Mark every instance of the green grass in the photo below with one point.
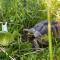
(26, 53)
(22, 14)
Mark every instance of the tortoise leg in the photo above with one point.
(35, 44)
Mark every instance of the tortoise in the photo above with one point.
(41, 29)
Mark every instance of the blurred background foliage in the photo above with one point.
(22, 14)
(25, 11)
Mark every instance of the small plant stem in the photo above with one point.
(49, 30)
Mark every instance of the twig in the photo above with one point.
(3, 50)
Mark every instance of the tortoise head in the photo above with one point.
(32, 32)
(29, 33)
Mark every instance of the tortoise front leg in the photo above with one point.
(35, 44)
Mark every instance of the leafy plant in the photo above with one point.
(7, 37)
